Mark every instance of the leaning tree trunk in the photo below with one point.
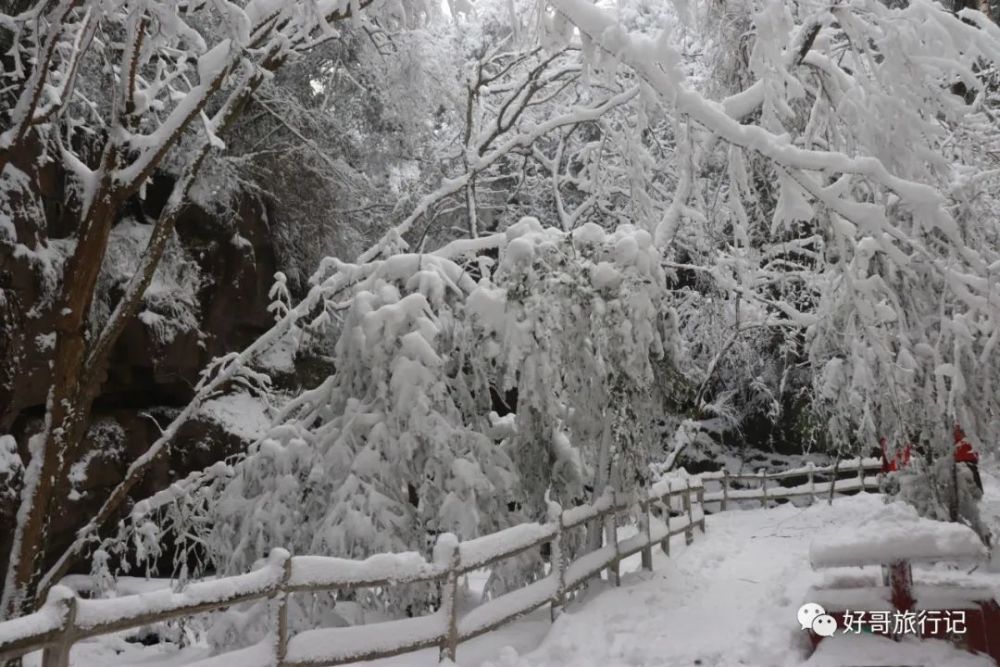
(67, 408)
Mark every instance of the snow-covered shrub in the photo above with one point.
(575, 322)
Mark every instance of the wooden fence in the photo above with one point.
(65, 619)
(820, 481)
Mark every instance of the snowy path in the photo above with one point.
(728, 599)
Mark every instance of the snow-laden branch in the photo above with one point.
(654, 61)
(149, 116)
(229, 367)
(523, 139)
(128, 303)
(742, 104)
(25, 110)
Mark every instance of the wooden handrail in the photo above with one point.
(65, 619)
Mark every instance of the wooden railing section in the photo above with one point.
(820, 481)
(65, 619)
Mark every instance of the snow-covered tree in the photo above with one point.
(850, 187)
(401, 443)
(114, 92)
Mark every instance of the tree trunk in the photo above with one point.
(602, 475)
(953, 498)
(67, 410)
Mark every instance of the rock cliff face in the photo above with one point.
(209, 297)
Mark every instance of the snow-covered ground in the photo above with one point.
(728, 599)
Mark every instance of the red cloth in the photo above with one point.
(887, 465)
(965, 454)
(904, 456)
(900, 457)
(963, 448)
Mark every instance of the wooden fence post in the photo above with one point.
(763, 485)
(281, 612)
(611, 531)
(700, 497)
(58, 655)
(812, 482)
(449, 596)
(647, 551)
(861, 474)
(689, 529)
(556, 556)
(833, 480)
(665, 542)
(901, 585)
(725, 489)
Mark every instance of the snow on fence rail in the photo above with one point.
(65, 619)
(760, 490)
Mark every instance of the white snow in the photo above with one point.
(124, 585)
(727, 600)
(474, 553)
(519, 251)
(10, 461)
(488, 305)
(819, 489)
(239, 413)
(588, 565)
(527, 225)
(50, 617)
(606, 276)
(279, 357)
(513, 604)
(589, 233)
(260, 654)
(323, 570)
(626, 250)
(584, 513)
(895, 533)
(333, 644)
(92, 614)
